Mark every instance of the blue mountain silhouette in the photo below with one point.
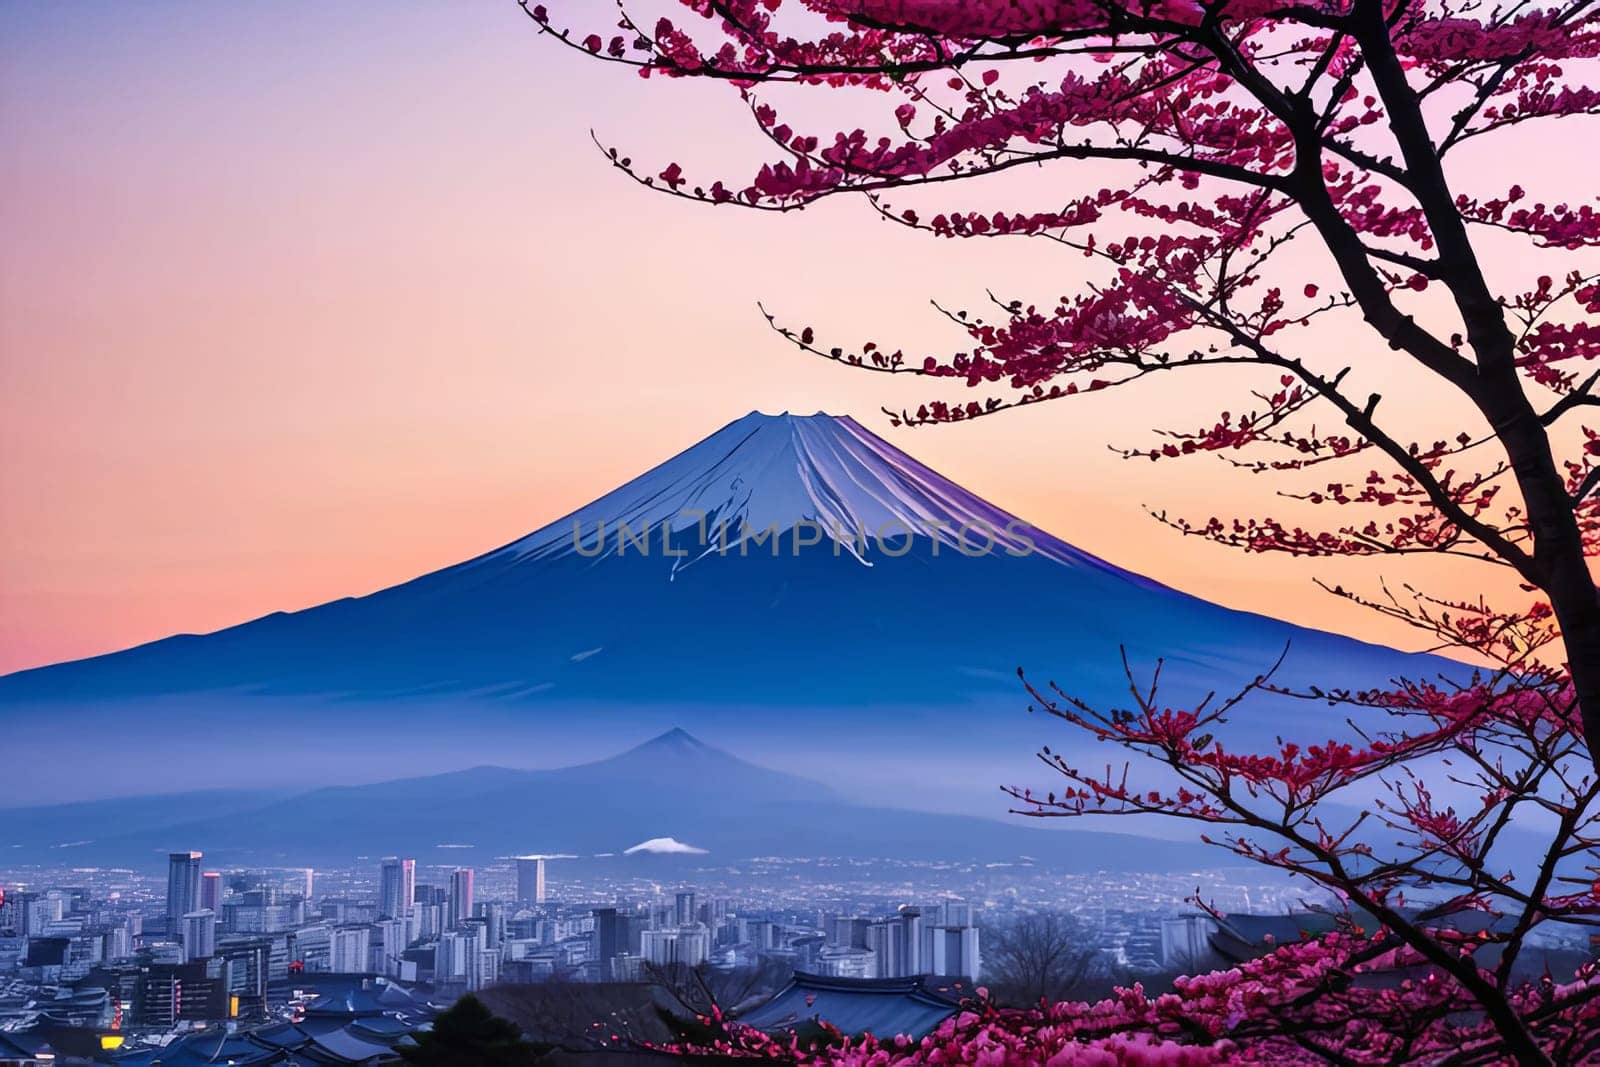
(792, 583)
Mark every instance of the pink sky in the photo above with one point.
(297, 301)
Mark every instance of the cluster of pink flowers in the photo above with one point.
(1343, 997)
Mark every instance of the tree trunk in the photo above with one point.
(1558, 565)
(1558, 551)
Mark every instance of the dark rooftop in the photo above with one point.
(885, 1007)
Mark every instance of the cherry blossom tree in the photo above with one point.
(1285, 170)
(1291, 199)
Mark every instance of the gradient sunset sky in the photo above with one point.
(299, 300)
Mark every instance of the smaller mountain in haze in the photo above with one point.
(672, 796)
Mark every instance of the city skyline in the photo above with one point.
(273, 969)
(611, 916)
(274, 955)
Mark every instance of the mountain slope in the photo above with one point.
(794, 583)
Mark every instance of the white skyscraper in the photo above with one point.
(951, 951)
(199, 935)
(482, 967)
(183, 889)
(494, 922)
(350, 950)
(450, 956)
(688, 945)
(118, 943)
(530, 879)
(683, 907)
(27, 913)
(397, 883)
(896, 943)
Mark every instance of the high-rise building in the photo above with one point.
(847, 931)
(27, 913)
(609, 936)
(685, 907)
(951, 951)
(350, 950)
(483, 968)
(199, 935)
(950, 913)
(183, 889)
(687, 945)
(249, 965)
(530, 879)
(211, 891)
(397, 884)
(450, 956)
(460, 896)
(896, 943)
(310, 878)
(428, 920)
(763, 934)
(388, 946)
(116, 943)
(494, 922)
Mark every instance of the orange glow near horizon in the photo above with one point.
(297, 302)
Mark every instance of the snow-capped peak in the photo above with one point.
(664, 846)
(818, 479)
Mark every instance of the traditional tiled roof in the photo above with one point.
(886, 1007)
(384, 1028)
(328, 1039)
(283, 1035)
(349, 1003)
(204, 1048)
(342, 1046)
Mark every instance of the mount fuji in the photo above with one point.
(794, 585)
